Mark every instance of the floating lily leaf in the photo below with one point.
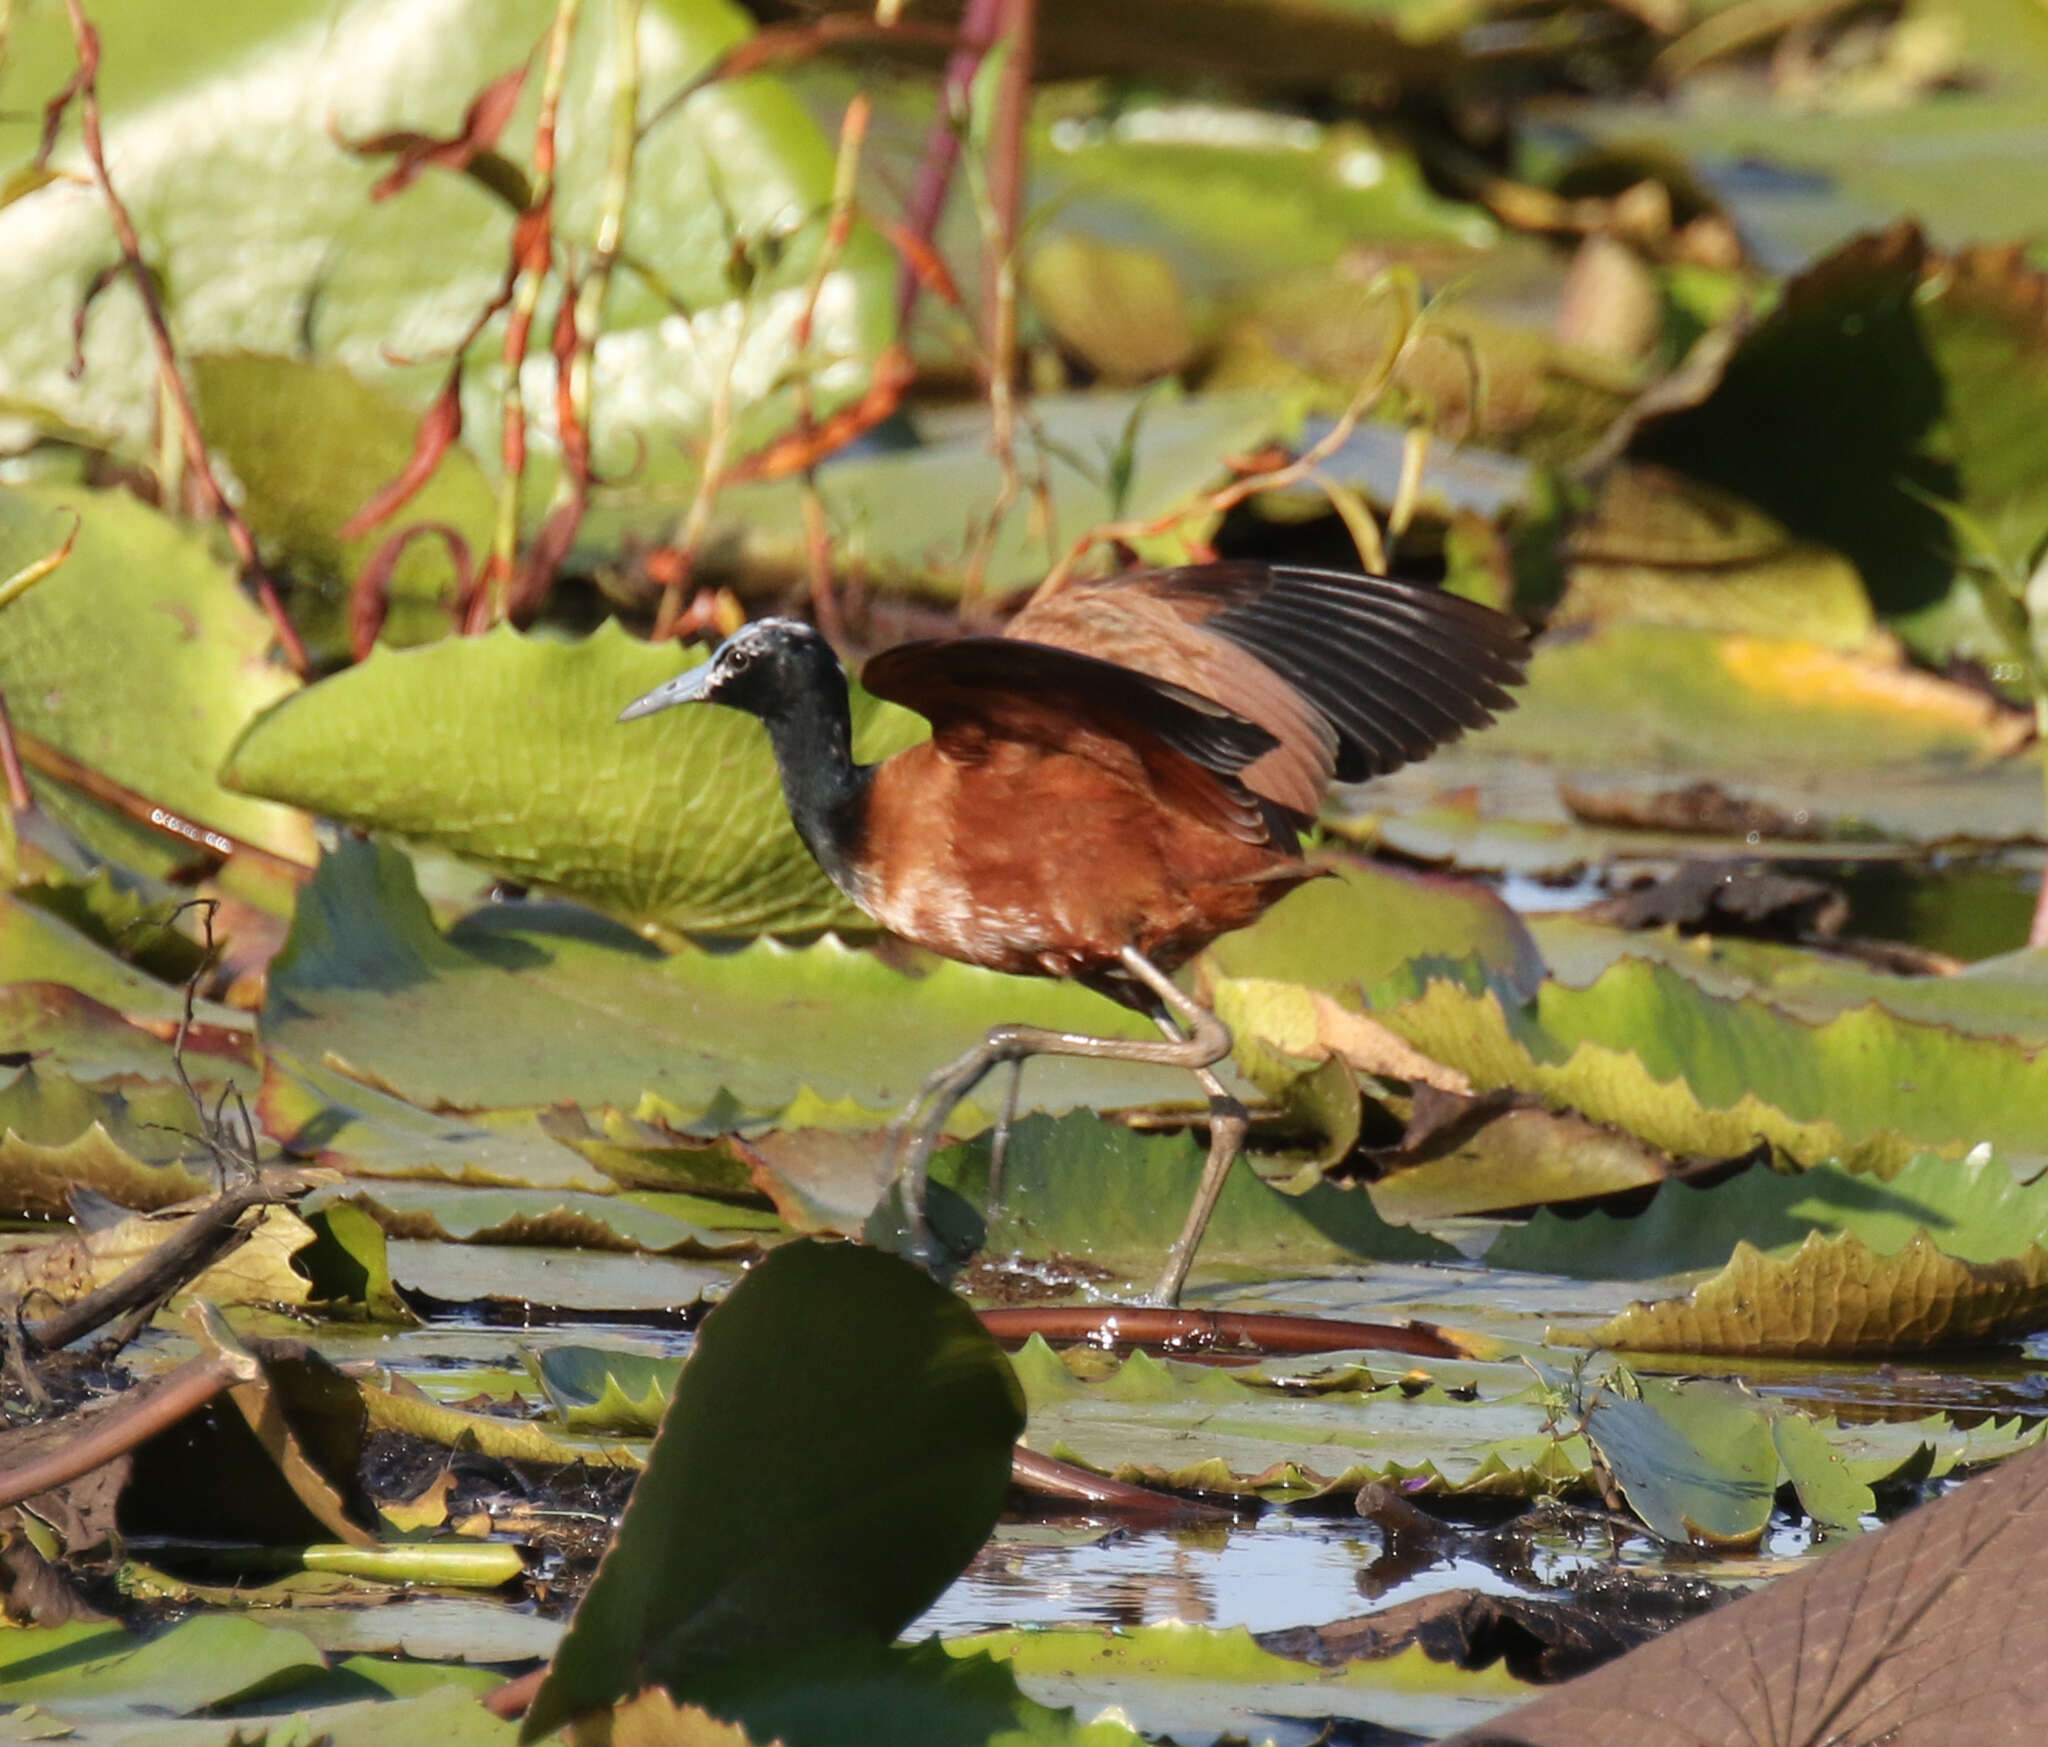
(37, 1178)
(597, 1389)
(215, 1659)
(1648, 1049)
(1153, 1672)
(2003, 996)
(907, 1405)
(339, 1122)
(1347, 934)
(267, 236)
(646, 1155)
(1695, 1461)
(1475, 1428)
(1835, 1296)
(852, 1694)
(514, 1440)
(534, 1216)
(1661, 548)
(527, 1004)
(1680, 698)
(909, 517)
(1968, 1208)
(527, 1281)
(1083, 1190)
(141, 658)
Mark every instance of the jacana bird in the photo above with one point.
(1109, 785)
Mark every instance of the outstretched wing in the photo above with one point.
(1353, 675)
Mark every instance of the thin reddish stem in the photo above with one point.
(86, 89)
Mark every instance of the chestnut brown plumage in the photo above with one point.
(1111, 784)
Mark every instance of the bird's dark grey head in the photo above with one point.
(762, 668)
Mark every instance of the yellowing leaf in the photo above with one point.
(1835, 1296)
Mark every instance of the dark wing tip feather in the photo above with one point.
(1398, 668)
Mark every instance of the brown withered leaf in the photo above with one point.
(1540, 1638)
(1919, 1635)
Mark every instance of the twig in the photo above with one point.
(85, 88)
(207, 1236)
(153, 815)
(533, 253)
(134, 1418)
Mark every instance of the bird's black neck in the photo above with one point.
(812, 733)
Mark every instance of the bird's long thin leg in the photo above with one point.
(999, 1142)
(1229, 1122)
(1204, 1042)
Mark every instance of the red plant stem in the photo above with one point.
(1006, 177)
(87, 41)
(152, 815)
(979, 26)
(1209, 1331)
(853, 133)
(18, 796)
(1044, 1477)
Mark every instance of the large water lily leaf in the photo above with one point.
(1835, 1295)
(1968, 1208)
(506, 749)
(1105, 1196)
(1296, 1428)
(1691, 1073)
(1158, 1675)
(907, 1404)
(1679, 697)
(1885, 363)
(228, 143)
(141, 658)
(521, 1005)
(311, 444)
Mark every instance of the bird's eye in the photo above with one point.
(739, 660)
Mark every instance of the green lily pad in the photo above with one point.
(321, 1114)
(1095, 1192)
(311, 444)
(597, 1389)
(1693, 1073)
(547, 1217)
(907, 1405)
(1969, 1208)
(527, 1004)
(908, 518)
(141, 658)
(268, 240)
(1695, 1461)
